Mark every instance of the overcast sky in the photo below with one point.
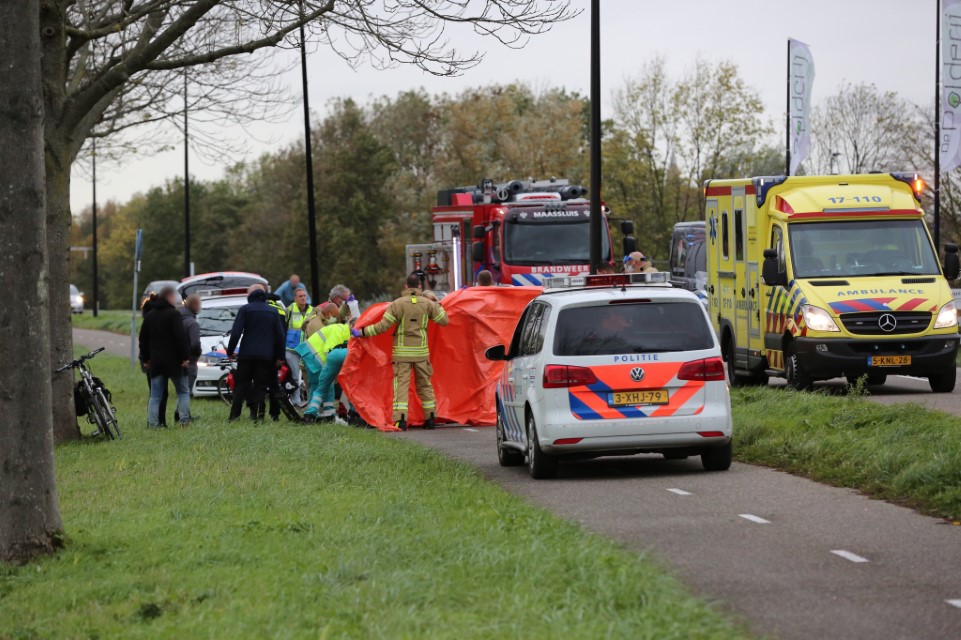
(887, 42)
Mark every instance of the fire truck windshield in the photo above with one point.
(543, 243)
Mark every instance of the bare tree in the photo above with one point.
(29, 514)
(112, 64)
(861, 129)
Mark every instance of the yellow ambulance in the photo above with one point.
(819, 277)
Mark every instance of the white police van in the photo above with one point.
(612, 365)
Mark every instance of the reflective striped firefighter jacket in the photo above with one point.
(410, 312)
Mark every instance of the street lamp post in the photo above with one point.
(186, 187)
(309, 160)
(595, 226)
(96, 279)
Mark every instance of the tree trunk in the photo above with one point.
(61, 149)
(61, 330)
(29, 513)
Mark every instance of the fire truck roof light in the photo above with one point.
(605, 280)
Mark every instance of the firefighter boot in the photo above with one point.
(429, 423)
(401, 424)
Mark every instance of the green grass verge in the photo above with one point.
(243, 531)
(902, 453)
(113, 321)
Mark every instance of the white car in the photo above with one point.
(216, 318)
(612, 365)
(76, 299)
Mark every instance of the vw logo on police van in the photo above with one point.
(637, 374)
(888, 323)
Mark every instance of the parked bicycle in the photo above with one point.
(93, 399)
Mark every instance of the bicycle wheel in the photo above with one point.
(99, 419)
(223, 391)
(106, 415)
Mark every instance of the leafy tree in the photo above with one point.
(109, 66)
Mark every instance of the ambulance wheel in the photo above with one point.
(739, 379)
(943, 382)
(797, 378)
(541, 465)
(506, 456)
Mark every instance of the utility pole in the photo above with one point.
(596, 222)
(309, 159)
(186, 186)
(96, 279)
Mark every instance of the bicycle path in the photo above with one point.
(796, 559)
(114, 343)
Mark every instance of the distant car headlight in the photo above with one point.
(78, 299)
(818, 319)
(947, 317)
(208, 360)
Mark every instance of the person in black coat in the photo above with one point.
(149, 304)
(165, 354)
(262, 351)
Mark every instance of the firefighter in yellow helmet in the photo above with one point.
(411, 312)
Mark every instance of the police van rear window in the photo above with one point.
(632, 328)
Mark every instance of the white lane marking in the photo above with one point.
(469, 429)
(754, 518)
(680, 492)
(954, 603)
(847, 555)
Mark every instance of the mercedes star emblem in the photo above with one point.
(637, 374)
(887, 322)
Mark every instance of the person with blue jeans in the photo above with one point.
(323, 353)
(166, 354)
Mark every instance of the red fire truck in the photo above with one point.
(522, 231)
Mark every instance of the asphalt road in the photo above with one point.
(794, 558)
(904, 389)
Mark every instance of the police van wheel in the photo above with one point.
(797, 377)
(943, 382)
(541, 465)
(717, 458)
(506, 456)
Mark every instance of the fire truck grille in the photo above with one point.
(886, 323)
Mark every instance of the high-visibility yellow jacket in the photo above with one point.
(295, 323)
(410, 312)
(315, 349)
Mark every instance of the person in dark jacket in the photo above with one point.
(261, 351)
(188, 312)
(149, 304)
(165, 353)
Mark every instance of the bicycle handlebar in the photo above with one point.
(80, 360)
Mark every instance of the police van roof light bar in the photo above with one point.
(605, 280)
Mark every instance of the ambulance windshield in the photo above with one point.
(548, 243)
(851, 249)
